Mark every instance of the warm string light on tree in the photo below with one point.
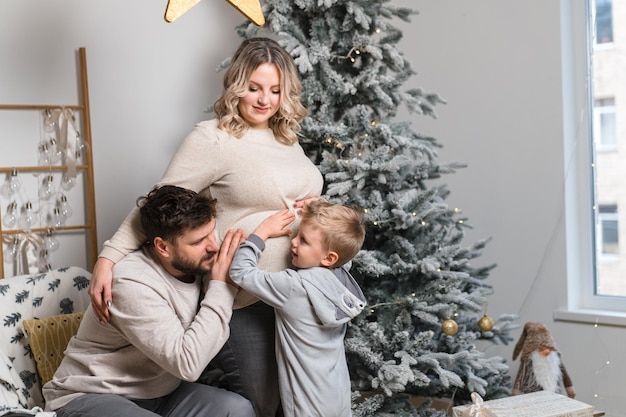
(374, 222)
(360, 145)
(335, 144)
(397, 302)
(349, 56)
(355, 51)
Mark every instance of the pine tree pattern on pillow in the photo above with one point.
(35, 296)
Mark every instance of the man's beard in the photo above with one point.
(547, 370)
(189, 267)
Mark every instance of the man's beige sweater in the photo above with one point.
(156, 337)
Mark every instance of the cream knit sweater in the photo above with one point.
(157, 336)
(251, 178)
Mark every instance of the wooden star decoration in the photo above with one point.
(249, 8)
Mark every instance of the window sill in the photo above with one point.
(606, 149)
(603, 317)
(603, 46)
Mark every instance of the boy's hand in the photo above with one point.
(274, 225)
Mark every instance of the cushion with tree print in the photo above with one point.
(36, 296)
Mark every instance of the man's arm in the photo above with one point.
(149, 321)
(190, 157)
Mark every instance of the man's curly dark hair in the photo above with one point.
(169, 211)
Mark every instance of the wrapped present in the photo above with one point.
(535, 404)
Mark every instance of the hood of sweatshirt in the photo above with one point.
(336, 298)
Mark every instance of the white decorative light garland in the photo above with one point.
(60, 144)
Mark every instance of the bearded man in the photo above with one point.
(163, 330)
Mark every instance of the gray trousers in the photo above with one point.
(188, 400)
(248, 359)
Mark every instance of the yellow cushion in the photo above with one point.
(48, 339)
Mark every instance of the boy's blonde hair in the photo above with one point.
(342, 228)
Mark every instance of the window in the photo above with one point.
(604, 135)
(607, 233)
(594, 91)
(609, 267)
(604, 21)
(607, 159)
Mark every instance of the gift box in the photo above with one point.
(535, 404)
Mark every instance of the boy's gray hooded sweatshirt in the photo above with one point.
(313, 307)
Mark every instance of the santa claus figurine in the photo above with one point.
(540, 366)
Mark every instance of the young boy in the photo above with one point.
(313, 303)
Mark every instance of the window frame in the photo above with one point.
(583, 304)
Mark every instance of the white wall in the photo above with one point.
(496, 62)
(149, 80)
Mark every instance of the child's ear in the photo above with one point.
(330, 259)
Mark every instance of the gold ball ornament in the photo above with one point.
(485, 323)
(450, 327)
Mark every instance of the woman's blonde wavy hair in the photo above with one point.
(251, 53)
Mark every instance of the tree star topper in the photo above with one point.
(249, 8)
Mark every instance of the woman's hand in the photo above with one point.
(299, 205)
(219, 271)
(100, 288)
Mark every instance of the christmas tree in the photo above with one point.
(425, 297)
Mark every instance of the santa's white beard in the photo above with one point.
(547, 370)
